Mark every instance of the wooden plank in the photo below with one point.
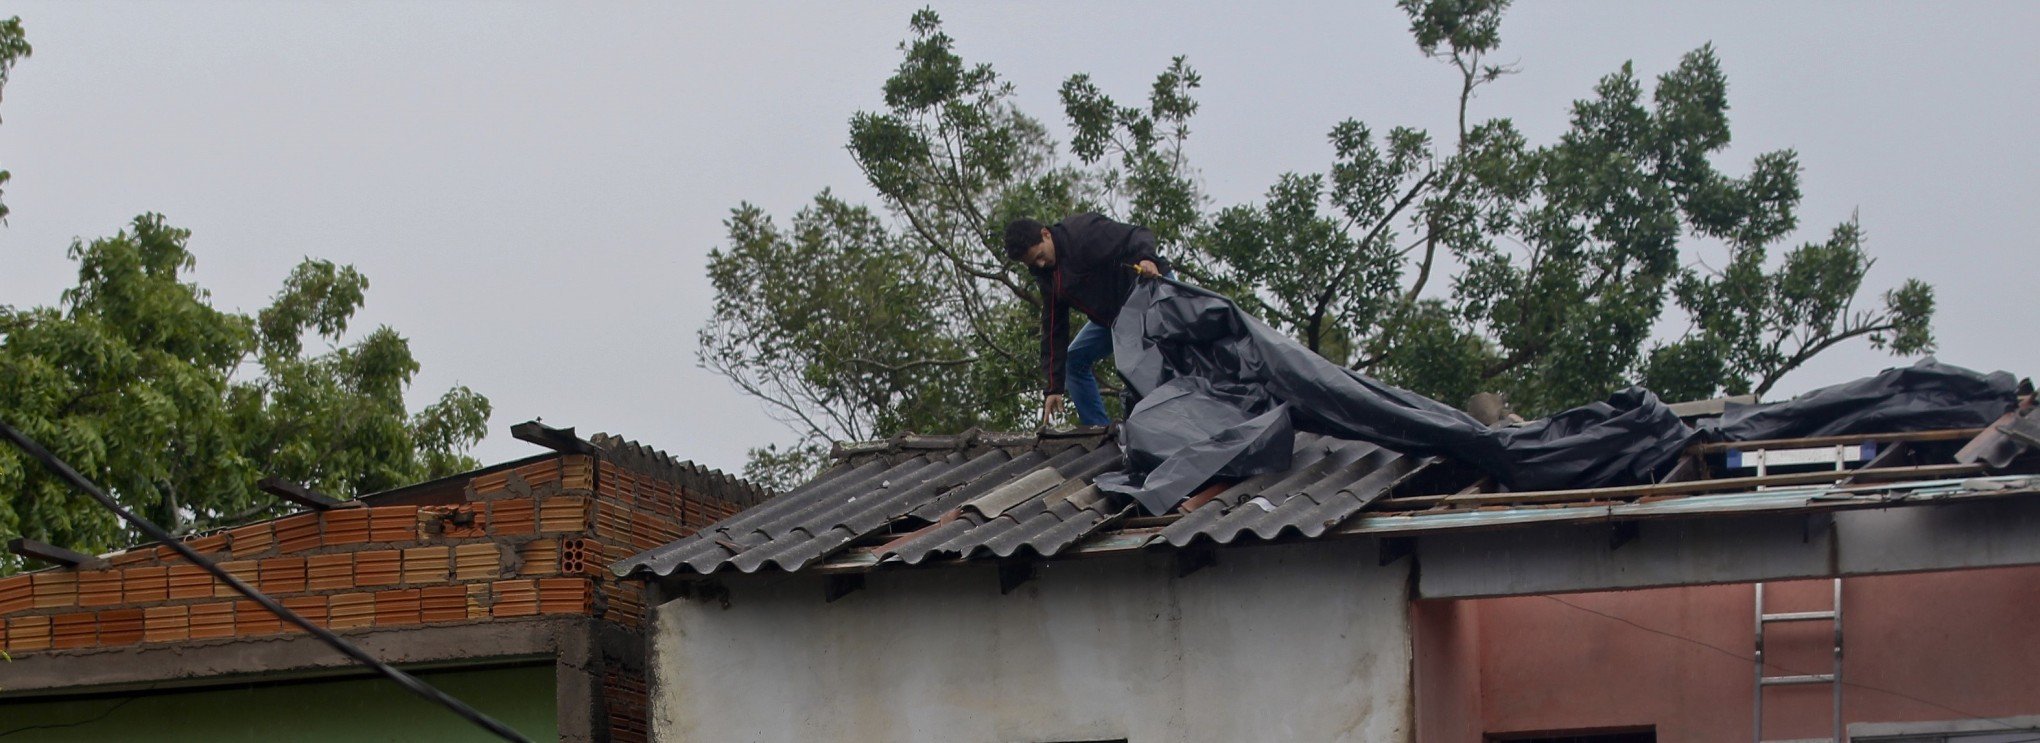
(1884, 460)
(301, 495)
(1948, 434)
(49, 553)
(1927, 472)
(1690, 467)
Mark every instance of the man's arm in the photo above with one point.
(1140, 246)
(1055, 336)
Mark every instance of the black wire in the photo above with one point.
(1752, 659)
(60, 725)
(409, 682)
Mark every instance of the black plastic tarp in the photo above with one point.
(1222, 395)
(1926, 396)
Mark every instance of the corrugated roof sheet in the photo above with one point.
(925, 498)
(918, 499)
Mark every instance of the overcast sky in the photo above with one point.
(533, 189)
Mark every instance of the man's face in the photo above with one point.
(1042, 255)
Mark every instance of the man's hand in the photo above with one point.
(1147, 269)
(1049, 407)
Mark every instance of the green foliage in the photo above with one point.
(1475, 261)
(177, 408)
(13, 48)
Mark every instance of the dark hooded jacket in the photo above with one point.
(1093, 274)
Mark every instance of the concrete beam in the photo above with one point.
(205, 663)
(1560, 558)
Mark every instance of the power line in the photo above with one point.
(409, 682)
(1751, 659)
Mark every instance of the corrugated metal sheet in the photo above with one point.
(922, 498)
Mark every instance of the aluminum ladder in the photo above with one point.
(1833, 679)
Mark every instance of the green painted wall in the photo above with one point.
(299, 711)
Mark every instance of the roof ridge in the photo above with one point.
(687, 473)
(972, 438)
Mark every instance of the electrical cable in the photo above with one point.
(410, 683)
(1751, 659)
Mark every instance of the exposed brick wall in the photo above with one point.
(537, 539)
(532, 540)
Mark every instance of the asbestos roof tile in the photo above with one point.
(981, 494)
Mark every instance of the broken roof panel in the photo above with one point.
(925, 499)
(918, 499)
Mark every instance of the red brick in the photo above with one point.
(251, 620)
(166, 623)
(393, 524)
(564, 596)
(208, 545)
(563, 515)
(283, 575)
(140, 554)
(538, 557)
(314, 609)
(427, 565)
(577, 473)
(342, 526)
(513, 517)
(210, 620)
(146, 585)
(26, 634)
(98, 587)
(378, 567)
(120, 627)
(333, 572)
(480, 561)
(54, 589)
(397, 607)
(515, 598)
(539, 473)
(464, 521)
(581, 556)
(297, 533)
(251, 540)
(16, 594)
(489, 484)
(247, 571)
(190, 582)
(350, 610)
(612, 522)
(442, 604)
(478, 600)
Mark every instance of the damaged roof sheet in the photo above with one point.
(913, 500)
(924, 498)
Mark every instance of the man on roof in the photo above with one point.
(1087, 262)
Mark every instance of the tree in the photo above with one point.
(177, 408)
(1472, 262)
(13, 48)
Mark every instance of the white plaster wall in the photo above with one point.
(1305, 642)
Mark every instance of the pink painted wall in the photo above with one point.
(1965, 640)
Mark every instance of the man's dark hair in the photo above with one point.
(1021, 234)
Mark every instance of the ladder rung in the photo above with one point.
(1799, 616)
(1817, 678)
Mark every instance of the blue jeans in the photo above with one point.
(1092, 343)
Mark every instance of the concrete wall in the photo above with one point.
(1302, 642)
(1917, 647)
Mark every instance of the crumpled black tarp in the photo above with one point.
(1926, 396)
(1222, 393)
